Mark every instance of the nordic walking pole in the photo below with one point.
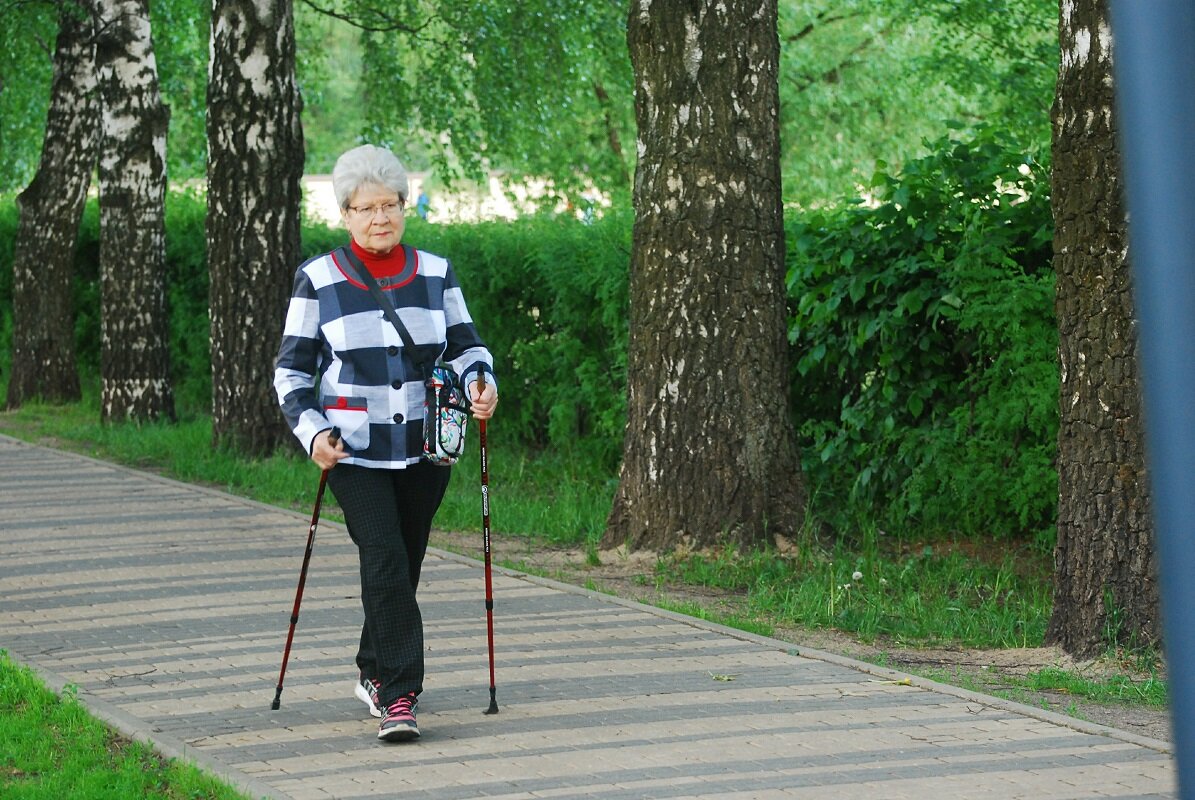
(333, 438)
(485, 540)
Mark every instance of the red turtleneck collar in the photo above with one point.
(381, 266)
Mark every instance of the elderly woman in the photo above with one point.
(342, 363)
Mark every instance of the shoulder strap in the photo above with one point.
(422, 354)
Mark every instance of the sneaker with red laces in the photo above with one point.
(398, 721)
(367, 692)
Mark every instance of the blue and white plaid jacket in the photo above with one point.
(342, 363)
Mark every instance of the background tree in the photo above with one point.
(255, 162)
(134, 346)
(539, 88)
(43, 353)
(709, 450)
(1104, 587)
(867, 85)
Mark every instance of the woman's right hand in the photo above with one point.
(326, 454)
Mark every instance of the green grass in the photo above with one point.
(50, 748)
(1115, 689)
(1150, 692)
(555, 497)
(936, 594)
(729, 620)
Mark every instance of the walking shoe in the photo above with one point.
(398, 723)
(367, 692)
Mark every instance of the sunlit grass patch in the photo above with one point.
(50, 747)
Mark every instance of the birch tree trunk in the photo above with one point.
(255, 162)
(43, 354)
(134, 331)
(709, 453)
(1105, 591)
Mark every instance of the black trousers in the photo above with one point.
(389, 516)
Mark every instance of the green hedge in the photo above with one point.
(549, 295)
(925, 384)
(924, 377)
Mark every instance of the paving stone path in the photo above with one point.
(167, 605)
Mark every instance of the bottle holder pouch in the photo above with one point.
(446, 417)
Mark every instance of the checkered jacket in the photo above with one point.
(341, 363)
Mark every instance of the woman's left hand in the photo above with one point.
(483, 402)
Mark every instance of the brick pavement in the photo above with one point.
(168, 605)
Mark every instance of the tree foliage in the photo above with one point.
(544, 87)
(537, 88)
(180, 30)
(28, 31)
(873, 80)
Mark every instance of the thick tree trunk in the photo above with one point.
(255, 162)
(43, 354)
(709, 453)
(134, 331)
(1104, 587)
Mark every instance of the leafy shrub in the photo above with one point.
(924, 378)
(187, 293)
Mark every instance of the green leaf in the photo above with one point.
(915, 405)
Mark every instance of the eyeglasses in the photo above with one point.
(369, 212)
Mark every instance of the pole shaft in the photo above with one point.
(485, 538)
(333, 438)
(1155, 83)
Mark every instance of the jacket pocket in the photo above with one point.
(351, 415)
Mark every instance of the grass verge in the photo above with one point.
(51, 748)
(557, 497)
(930, 595)
(1030, 688)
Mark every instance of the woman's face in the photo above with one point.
(375, 218)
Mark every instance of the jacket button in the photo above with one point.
(397, 384)
(391, 350)
(398, 417)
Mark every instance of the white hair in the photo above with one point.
(367, 164)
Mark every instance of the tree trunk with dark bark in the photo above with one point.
(43, 337)
(134, 329)
(255, 163)
(1105, 592)
(709, 452)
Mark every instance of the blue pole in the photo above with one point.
(1155, 86)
